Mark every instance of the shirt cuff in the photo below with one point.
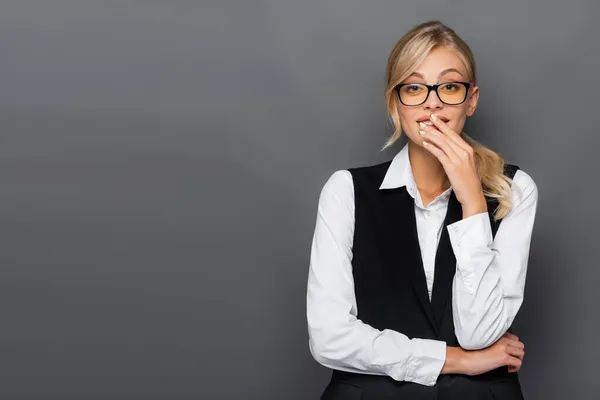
(470, 235)
(426, 362)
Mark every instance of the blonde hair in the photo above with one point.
(408, 53)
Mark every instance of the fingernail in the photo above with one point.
(421, 132)
(432, 116)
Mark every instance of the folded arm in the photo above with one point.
(489, 283)
(337, 338)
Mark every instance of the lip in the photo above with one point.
(426, 118)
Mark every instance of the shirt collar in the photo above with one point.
(400, 174)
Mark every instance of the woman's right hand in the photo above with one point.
(507, 350)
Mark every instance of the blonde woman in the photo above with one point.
(418, 264)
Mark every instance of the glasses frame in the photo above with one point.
(429, 89)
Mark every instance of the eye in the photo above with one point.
(449, 87)
(414, 88)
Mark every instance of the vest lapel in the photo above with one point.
(445, 263)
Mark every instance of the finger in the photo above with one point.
(445, 129)
(515, 343)
(460, 147)
(515, 352)
(433, 135)
(514, 362)
(511, 336)
(437, 152)
(441, 125)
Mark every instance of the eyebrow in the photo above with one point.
(441, 73)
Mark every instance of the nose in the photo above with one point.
(432, 102)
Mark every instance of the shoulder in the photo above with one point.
(342, 181)
(369, 176)
(339, 180)
(524, 188)
(524, 182)
(338, 187)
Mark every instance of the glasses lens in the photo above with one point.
(452, 92)
(413, 94)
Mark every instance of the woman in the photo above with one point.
(418, 264)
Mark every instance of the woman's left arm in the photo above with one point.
(490, 273)
(489, 282)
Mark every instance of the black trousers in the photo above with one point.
(493, 385)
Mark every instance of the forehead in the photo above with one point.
(439, 60)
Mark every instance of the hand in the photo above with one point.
(512, 368)
(508, 350)
(457, 158)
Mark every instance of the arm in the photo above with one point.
(337, 338)
(457, 361)
(489, 283)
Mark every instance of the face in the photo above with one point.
(441, 65)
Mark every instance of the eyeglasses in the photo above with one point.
(451, 93)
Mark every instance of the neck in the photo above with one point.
(427, 170)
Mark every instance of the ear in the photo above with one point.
(472, 100)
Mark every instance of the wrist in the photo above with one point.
(474, 208)
(457, 361)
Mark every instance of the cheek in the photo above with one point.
(459, 117)
(406, 118)
(458, 123)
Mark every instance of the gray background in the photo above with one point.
(161, 163)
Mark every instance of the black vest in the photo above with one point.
(391, 292)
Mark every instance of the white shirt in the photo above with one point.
(487, 290)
